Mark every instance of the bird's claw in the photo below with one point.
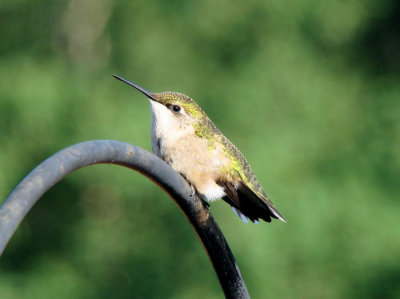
(193, 192)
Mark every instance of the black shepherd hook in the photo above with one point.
(58, 166)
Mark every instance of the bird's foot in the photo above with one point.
(206, 204)
(193, 193)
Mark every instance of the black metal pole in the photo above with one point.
(52, 170)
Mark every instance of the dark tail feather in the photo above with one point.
(246, 202)
(258, 205)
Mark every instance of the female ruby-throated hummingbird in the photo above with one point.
(184, 137)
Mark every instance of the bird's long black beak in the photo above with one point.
(141, 89)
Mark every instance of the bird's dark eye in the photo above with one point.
(176, 108)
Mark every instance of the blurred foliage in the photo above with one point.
(308, 90)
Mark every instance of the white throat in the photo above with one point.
(166, 128)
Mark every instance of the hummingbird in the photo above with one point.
(185, 137)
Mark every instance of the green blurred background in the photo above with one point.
(308, 90)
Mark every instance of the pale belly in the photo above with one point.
(193, 158)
